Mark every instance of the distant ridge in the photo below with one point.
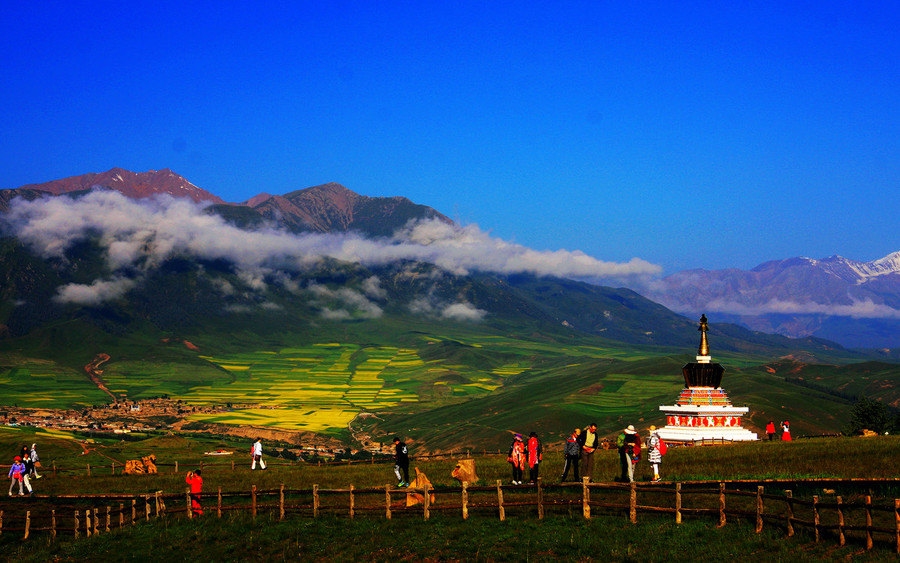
(132, 184)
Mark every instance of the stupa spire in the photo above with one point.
(703, 356)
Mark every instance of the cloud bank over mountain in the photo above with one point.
(138, 235)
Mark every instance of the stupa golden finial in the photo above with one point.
(703, 351)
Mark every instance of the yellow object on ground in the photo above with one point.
(464, 472)
(419, 482)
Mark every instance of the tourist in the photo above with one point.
(401, 462)
(572, 453)
(196, 482)
(623, 456)
(786, 431)
(516, 458)
(33, 457)
(256, 453)
(770, 430)
(632, 450)
(654, 455)
(589, 444)
(17, 475)
(535, 452)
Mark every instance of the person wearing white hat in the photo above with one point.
(632, 450)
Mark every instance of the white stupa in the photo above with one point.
(703, 410)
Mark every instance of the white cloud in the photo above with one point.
(865, 309)
(349, 298)
(94, 293)
(463, 312)
(140, 234)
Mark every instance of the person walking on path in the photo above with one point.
(632, 450)
(17, 475)
(33, 457)
(517, 457)
(535, 452)
(786, 431)
(196, 482)
(572, 452)
(401, 462)
(654, 452)
(256, 453)
(770, 430)
(589, 444)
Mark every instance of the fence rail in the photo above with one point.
(871, 522)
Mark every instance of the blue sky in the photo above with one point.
(688, 136)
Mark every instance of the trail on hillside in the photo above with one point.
(94, 372)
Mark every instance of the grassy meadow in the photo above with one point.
(562, 534)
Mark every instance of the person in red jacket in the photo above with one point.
(786, 431)
(770, 430)
(196, 482)
(535, 452)
(517, 459)
(632, 450)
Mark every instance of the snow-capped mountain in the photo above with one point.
(853, 302)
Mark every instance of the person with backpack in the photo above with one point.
(17, 475)
(534, 452)
(656, 448)
(572, 452)
(623, 457)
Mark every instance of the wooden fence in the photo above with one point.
(857, 519)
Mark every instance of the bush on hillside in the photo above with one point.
(868, 414)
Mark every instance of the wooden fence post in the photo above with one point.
(632, 503)
(585, 499)
(147, 508)
(27, 524)
(219, 503)
(77, 523)
(678, 503)
(187, 500)
(540, 499)
(721, 504)
(840, 512)
(54, 467)
(352, 501)
(53, 524)
(789, 499)
(387, 501)
(113, 466)
(121, 515)
(896, 522)
(87, 522)
(176, 466)
(868, 522)
(89, 469)
(107, 518)
(232, 465)
(96, 518)
(465, 502)
(281, 503)
(133, 510)
(253, 500)
(427, 503)
(816, 516)
(315, 501)
(759, 509)
(500, 501)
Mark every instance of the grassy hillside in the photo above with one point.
(562, 534)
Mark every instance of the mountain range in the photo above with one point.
(854, 303)
(75, 275)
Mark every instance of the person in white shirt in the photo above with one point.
(256, 453)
